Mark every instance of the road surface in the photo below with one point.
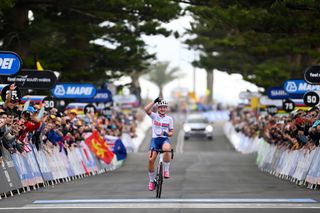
(208, 175)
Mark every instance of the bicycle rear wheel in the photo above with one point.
(159, 181)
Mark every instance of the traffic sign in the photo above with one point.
(288, 105)
(272, 109)
(15, 94)
(49, 103)
(311, 98)
(89, 109)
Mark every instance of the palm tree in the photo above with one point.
(160, 75)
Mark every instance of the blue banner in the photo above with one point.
(74, 91)
(299, 87)
(277, 93)
(102, 96)
(10, 63)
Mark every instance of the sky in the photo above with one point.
(226, 87)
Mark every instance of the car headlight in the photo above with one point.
(186, 128)
(209, 128)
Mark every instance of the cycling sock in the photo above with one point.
(152, 176)
(166, 166)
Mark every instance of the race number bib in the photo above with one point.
(158, 131)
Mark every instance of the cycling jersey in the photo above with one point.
(160, 124)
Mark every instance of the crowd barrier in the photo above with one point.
(23, 171)
(240, 142)
(299, 166)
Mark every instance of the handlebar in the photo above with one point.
(161, 151)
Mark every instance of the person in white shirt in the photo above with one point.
(162, 128)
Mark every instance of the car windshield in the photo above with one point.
(197, 120)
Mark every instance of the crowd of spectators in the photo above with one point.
(24, 124)
(297, 130)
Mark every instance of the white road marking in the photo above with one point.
(169, 205)
(182, 200)
(180, 142)
(302, 203)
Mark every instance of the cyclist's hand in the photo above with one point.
(157, 100)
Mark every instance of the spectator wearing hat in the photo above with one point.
(30, 122)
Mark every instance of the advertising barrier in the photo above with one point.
(299, 166)
(40, 166)
(9, 179)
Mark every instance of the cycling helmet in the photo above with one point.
(162, 103)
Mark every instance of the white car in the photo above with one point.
(197, 125)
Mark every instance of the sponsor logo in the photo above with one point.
(299, 87)
(6, 63)
(80, 91)
(10, 63)
(59, 90)
(75, 90)
(101, 96)
(291, 87)
(278, 93)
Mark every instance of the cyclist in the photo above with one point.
(162, 128)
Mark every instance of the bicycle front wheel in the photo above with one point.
(159, 180)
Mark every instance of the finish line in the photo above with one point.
(234, 203)
(186, 200)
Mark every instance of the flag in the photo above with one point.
(120, 150)
(99, 147)
(39, 67)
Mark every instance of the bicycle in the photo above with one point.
(159, 175)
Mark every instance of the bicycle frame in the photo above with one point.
(159, 175)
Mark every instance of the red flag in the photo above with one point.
(99, 147)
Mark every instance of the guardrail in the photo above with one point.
(301, 167)
(30, 170)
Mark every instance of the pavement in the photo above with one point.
(206, 176)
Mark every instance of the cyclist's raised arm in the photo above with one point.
(149, 106)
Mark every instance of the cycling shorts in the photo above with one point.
(157, 143)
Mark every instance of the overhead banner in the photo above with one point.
(102, 96)
(299, 87)
(31, 79)
(10, 63)
(277, 93)
(74, 91)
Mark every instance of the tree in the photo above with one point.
(63, 34)
(266, 41)
(160, 75)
